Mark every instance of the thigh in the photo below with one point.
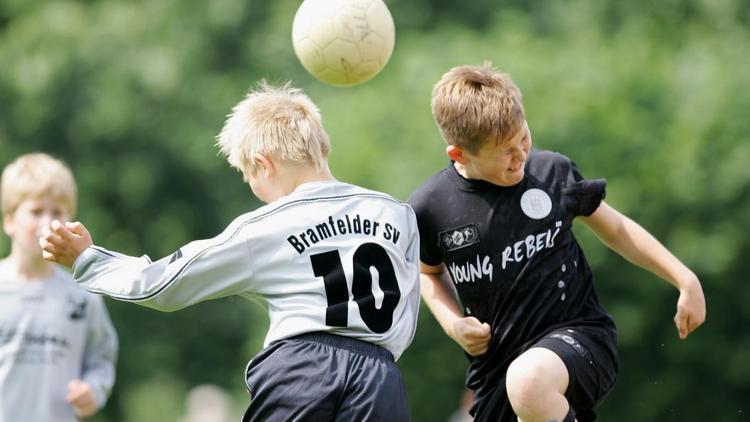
(292, 381)
(375, 391)
(591, 367)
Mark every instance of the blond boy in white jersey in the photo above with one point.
(337, 265)
(57, 344)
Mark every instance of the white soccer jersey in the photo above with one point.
(51, 332)
(328, 257)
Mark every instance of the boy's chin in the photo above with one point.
(34, 252)
(515, 177)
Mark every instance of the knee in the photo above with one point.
(536, 382)
(526, 384)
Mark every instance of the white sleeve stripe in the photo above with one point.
(103, 251)
(251, 220)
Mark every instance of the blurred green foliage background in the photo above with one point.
(654, 96)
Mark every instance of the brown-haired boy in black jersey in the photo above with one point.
(495, 228)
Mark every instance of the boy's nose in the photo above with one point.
(520, 154)
(45, 219)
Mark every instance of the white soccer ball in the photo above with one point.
(343, 42)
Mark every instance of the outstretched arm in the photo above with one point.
(437, 292)
(201, 270)
(634, 243)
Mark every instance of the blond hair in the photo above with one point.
(35, 176)
(472, 104)
(281, 122)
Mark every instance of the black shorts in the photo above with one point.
(325, 377)
(592, 368)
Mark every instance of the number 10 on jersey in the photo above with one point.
(368, 255)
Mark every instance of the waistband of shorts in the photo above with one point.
(348, 343)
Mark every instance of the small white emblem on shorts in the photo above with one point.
(536, 204)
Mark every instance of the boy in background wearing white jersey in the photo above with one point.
(57, 344)
(338, 266)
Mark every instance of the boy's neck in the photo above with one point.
(467, 173)
(461, 169)
(27, 268)
(301, 175)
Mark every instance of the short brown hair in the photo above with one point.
(37, 175)
(470, 104)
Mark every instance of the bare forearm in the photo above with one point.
(470, 333)
(639, 247)
(441, 301)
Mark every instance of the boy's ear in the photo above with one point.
(8, 224)
(266, 165)
(456, 154)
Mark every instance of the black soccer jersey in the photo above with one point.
(512, 256)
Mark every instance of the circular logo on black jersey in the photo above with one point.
(536, 204)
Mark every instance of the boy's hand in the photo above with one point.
(691, 308)
(81, 397)
(472, 335)
(63, 243)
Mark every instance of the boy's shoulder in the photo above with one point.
(58, 279)
(332, 190)
(351, 189)
(63, 280)
(544, 157)
(544, 164)
(316, 192)
(437, 182)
